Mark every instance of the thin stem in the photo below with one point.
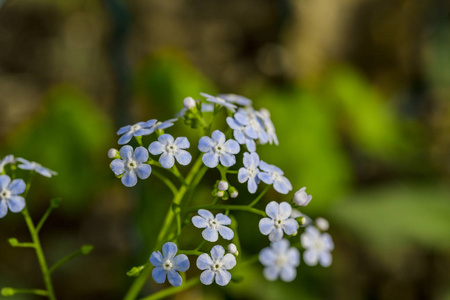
(53, 204)
(173, 290)
(11, 292)
(69, 257)
(167, 181)
(174, 171)
(229, 207)
(260, 196)
(190, 252)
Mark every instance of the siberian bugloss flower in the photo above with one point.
(216, 266)
(131, 165)
(217, 148)
(250, 171)
(318, 247)
(271, 174)
(253, 126)
(9, 195)
(38, 168)
(279, 221)
(301, 198)
(264, 115)
(167, 264)
(236, 99)
(239, 134)
(221, 102)
(171, 149)
(165, 124)
(280, 261)
(213, 225)
(138, 129)
(6, 160)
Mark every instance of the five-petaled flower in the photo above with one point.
(138, 129)
(167, 265)
(280, 261)
(239, 134)
(222, 102)
(216, 266)
(131, 165)
(253, 126)
(9, 195)
(318, 247)
(171, 149)
(213, 225)
(279, 220)
(31, 165)
(271, 174)
(218, 149)
(9, 159)
(250, 171)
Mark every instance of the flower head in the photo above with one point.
(171, 149)
(9, 195)
(9, 159)
(239, 134)
(219, 101)
(280, 261)
(264, 115)
(213, 225)
(271, 174)
(218, 149)
(131, 165)
(31, 165)
(250, 171)
(318, 247)
(216, 266)
(253, 126)
(138, 129)
(167, 265)
(236, 99)
(301, 198)
(279, 221)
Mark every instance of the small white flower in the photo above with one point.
(113, 153)
(322, 224)
(279, 220)
(216, 266)
(280, 260)
(232, 249)
(213, 225)
(318, 247)
(301, 198)
(223, 185)
(189, 103)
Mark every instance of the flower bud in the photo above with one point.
(233, 249)
(301, 198)
(322, 224)
(220, 194)
(113, 153)
(233, 192)
(223, 185)
(189, 103)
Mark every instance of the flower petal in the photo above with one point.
(210, 234)
(16, 203)
(229, 261)
(205, 214)
(272, 209)
(276, 235)
(183, 157)
(3, 208)
(156, 259)
(174, 278)
(199, 222)
(232, 146)
(205, 144)
(328, 241)
(17, 186)
(4, 181)
(223, 219)
(207, 277)
(288, 273)
(243, 175)
(217, 252)
(129, 179)
(271, 273)
(325, 259)
(227, 160)
(267, 257)
(143, 171)
(290, 226)
(140, 154)
(169, 250)
(293, 256)
(182, 142)
(310, 257)
(223, 277)
(204, 261)
(159, 274)
(167, 160)
(125, 138)
(124, 129)
(181, 263)
(156, 148)
(265, 177)
(280, 247)
(117, 166)
(226, 232)
(266, 226)
(126, 152)
(210, 159)
(165, 139)
(218, 137)
(284, 210)
(252, 186)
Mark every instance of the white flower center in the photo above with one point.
(5, 194)
(252, 172)
(217, 265)
(171, 148)
(319, 245)
(168, 265)
(281, 260)
(276, 176)
(219, 149)
(135, 128)
(132, 164)
(278, 222)
(221, 100)
(214, 224)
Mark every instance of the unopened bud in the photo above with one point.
(220, 193)
(223, 185)
(322, 224)
(113, 153)
(233, 192)
(301, 198)
(189, 103)
(233, 249)
(135, 271)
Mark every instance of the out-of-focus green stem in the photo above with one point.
(260, 196)
(173, 290)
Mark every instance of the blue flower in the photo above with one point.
(9, 191)
(279, 220)
(280, 261)
(216, 266)
(138, 129)
(217, 149)
(31, 165)
(9, 159)
(239, 134)
(213, 225)
(217, 100)
(274, 175)
(132, 165)
(237, 99)
(318, 247)
(171, 150)
(264, 115)
(250, 172)
(253, 126)
(167, 264)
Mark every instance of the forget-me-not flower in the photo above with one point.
(236, 99)
(216, 266)
(163, 125)
(318, 247)
(250, 171)
(253, 126)
(218, 149)
(280, 261)
(38, 168)
(213, 225)
(264, 115)
(222, 102)
(8, 159)
(167, 264)
(239, 134)
(271, 174)
(132, 165)
(9, 195)
(138, 129)
(279, 220)
(171, 149)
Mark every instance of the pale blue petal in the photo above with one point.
(255, 159)
(16, 203)
(223, 219)
(288, 273)
(117, 166)
(229, 261)
(226, 232)
(167, 160)
(205, 144)
(290, 226)
(328, 241)
(284, 210)
(3, 208)
(272, 209)
(242, 117)
(129, 179)
(313, 232)
(239, 136)
(17, 186)
(223, 277)
(280, 247)
(156, 259)
(183, 157)
(252, 186)
(143, 131)
(218, 137)
(149, 123)
(210, 159)
(310, 257)
(280, 187)
(233, 124)
(271, 273)
(232, 146)
(307, 240)
(217, 252)
(169, 250)
(267, 257)
(276, 235)
(205, 214)
(126, 152)
(143, 171)
(325, 259)
(182, 142)
(4, 181)
(43, 171)
(140, 154)
(204, 261)
(265, 177)
(199, 222)
(165, 139)
(251, 146)
(210, 234)
(243, 175)
(251, 132)
(293, 256)
(227, 160)
(125, 138)
(124, 129)
(156, 148)
(174, 278)
(247, 160)
(266, 226)
(207, 107)
(181, 263)
(159, 274)
(207, 277)
(265, 166)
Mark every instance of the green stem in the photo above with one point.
(229, 207)
(190, 252)
(173, 290)
(167, 181)
(72, 255)
(45, 216)
(260, 196)
(8, 292)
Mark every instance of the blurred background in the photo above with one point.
(358, 91)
